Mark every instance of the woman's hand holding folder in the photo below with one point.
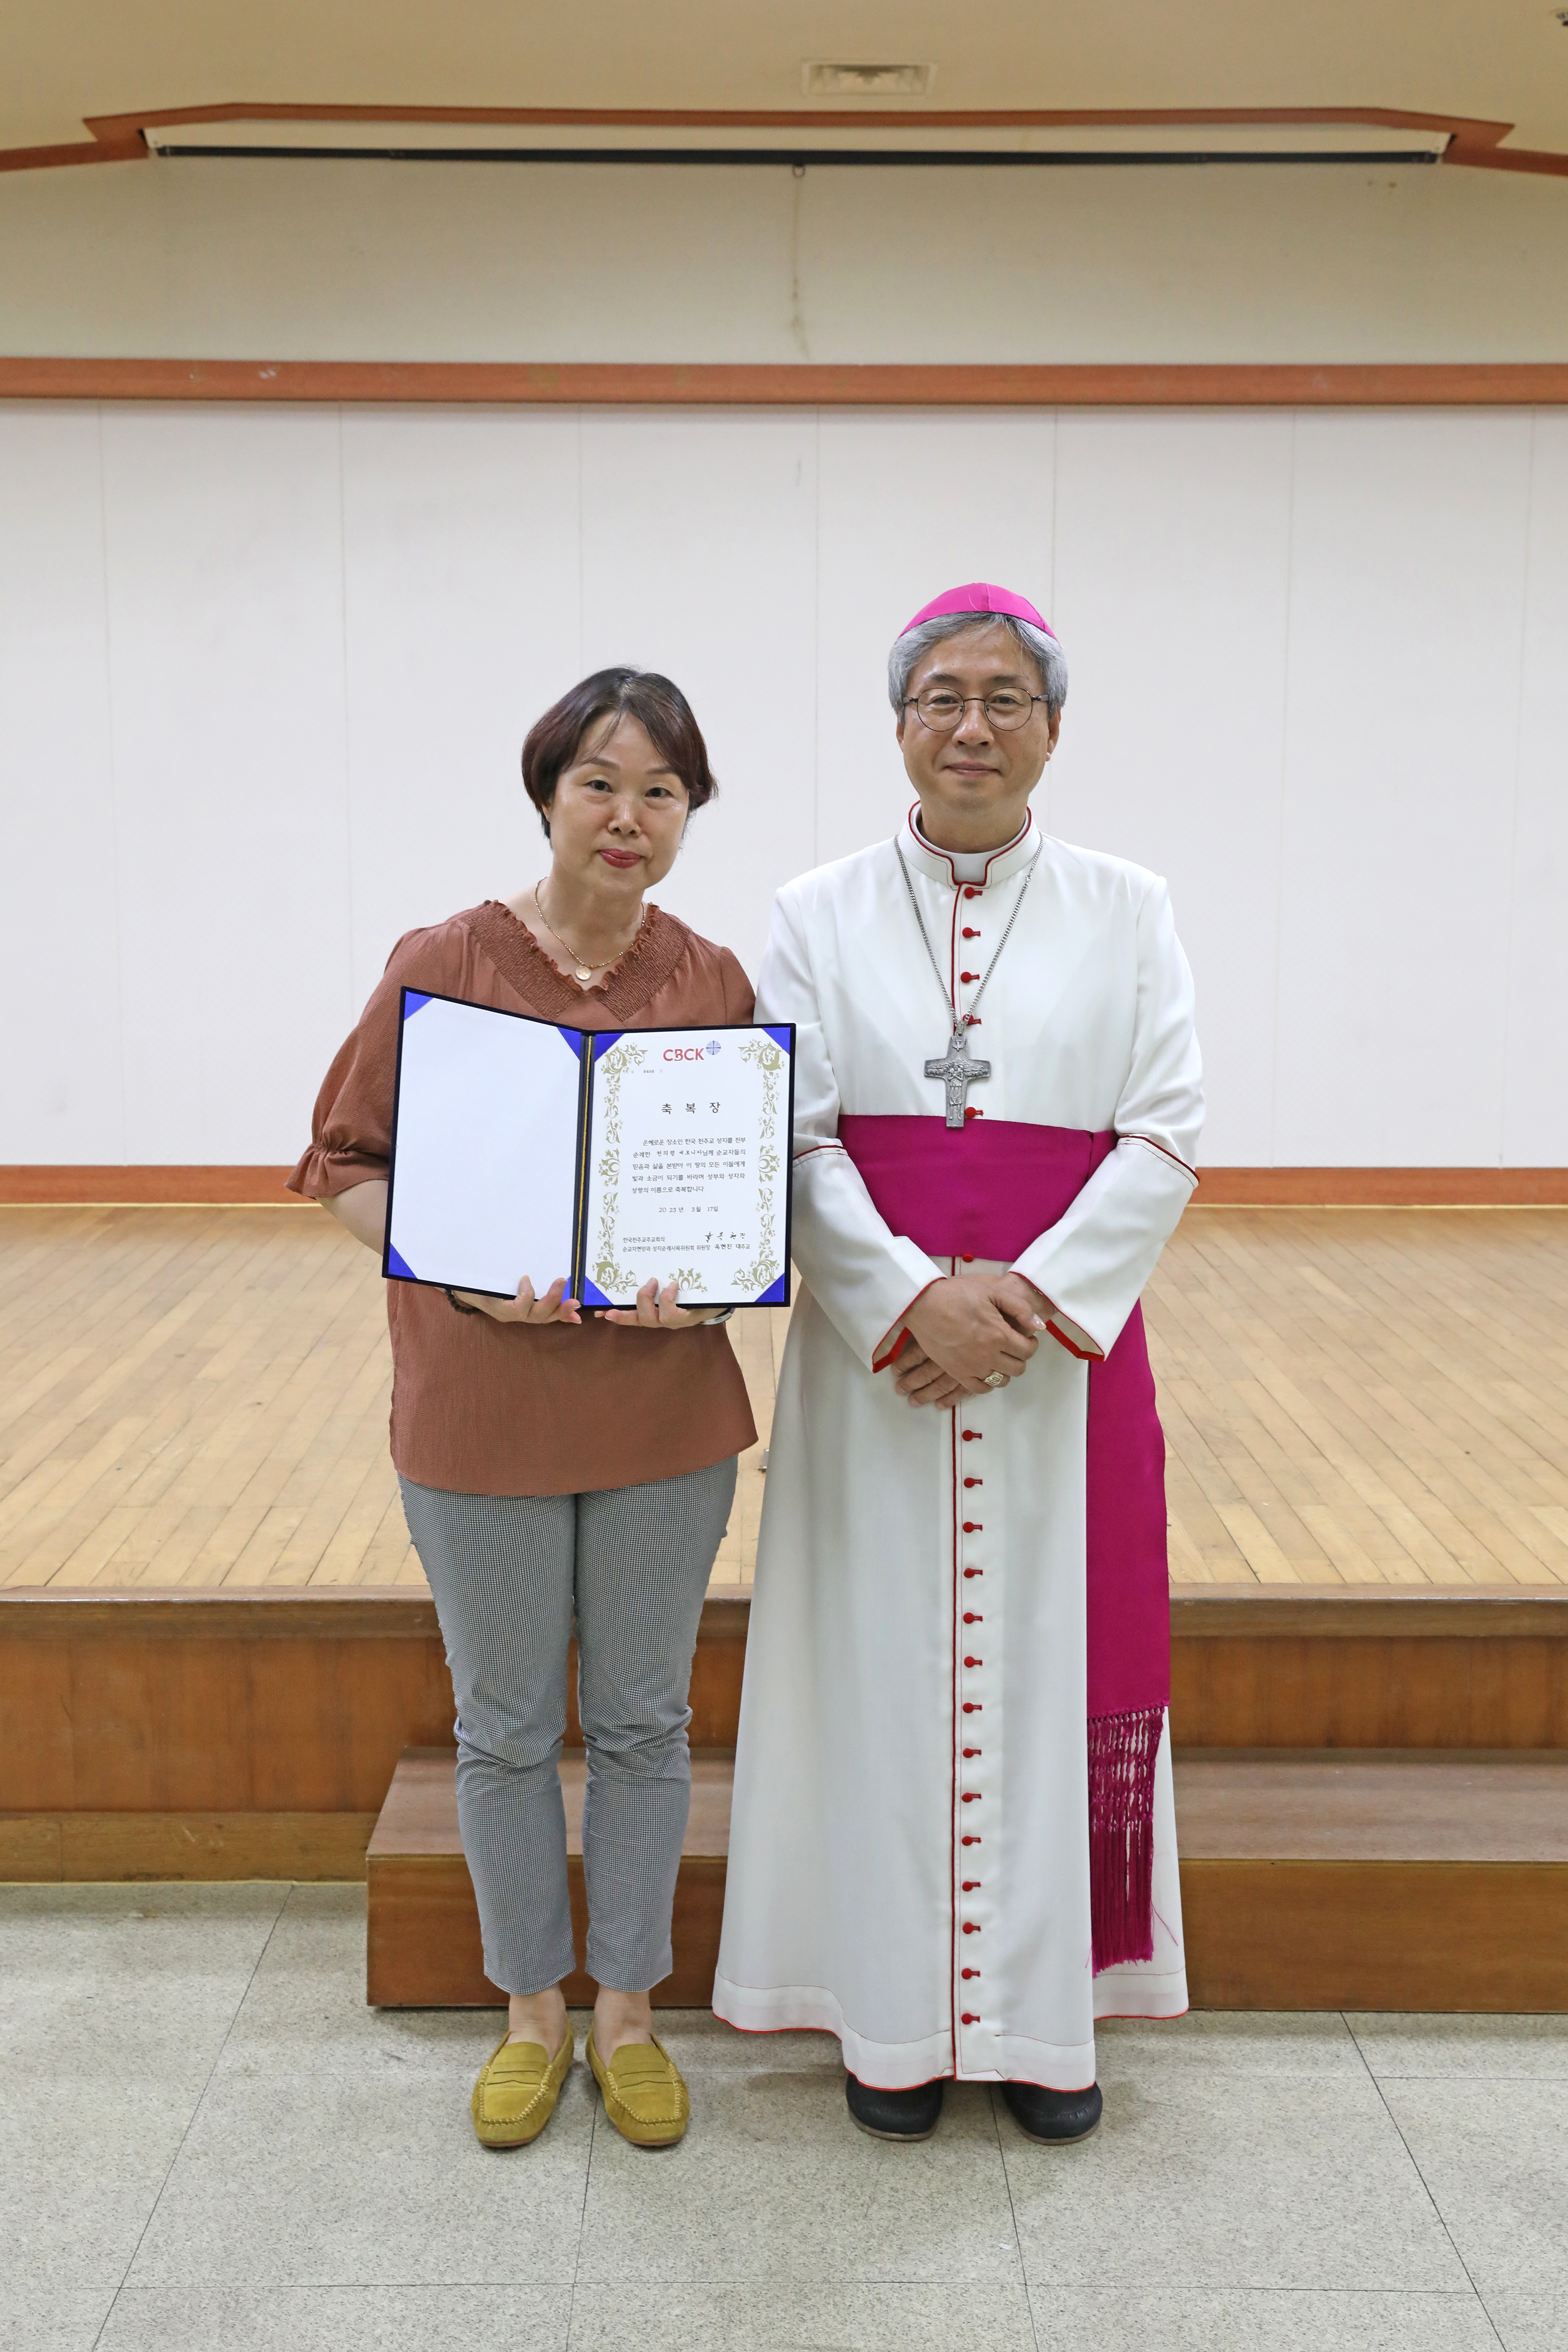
(553, 1308)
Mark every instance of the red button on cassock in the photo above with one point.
(970, 1929)
(970, 933)
(967, 1434)
(971, 1619)
(969, 1841)
(967, 1973)
(971, 1797)
(974, 1751)
(973, 1706)
(974, 1482)
(974, 1572)
(974, 1662)
(971, 892)
(969, 975)
(971, 1887)
(974, 1527)
(967, 2019)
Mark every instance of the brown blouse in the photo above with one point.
(487, 1408)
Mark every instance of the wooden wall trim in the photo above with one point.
(1474, 141)
(1198, 1612)
(386, 1613)
(1382, 1187)
(362, 1613)
(1388, 1188)
(1476, 133)
(1277, 1612)
(138, 1187)
(549, 384)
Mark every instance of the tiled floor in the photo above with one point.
(209, 2142)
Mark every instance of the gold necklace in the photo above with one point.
(582, 970)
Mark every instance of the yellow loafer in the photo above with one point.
(645, 2097)
(515, 2095)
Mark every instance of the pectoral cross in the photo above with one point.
(958, 1072)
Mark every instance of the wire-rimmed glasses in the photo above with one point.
(940, 709)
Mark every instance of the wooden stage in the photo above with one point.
(216, 1647)
(197, 1398)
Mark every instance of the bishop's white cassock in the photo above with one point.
(908, 1861)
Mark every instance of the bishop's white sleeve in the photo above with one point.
(864, 1277)
(1094, 1262)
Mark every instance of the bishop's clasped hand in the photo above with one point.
(967, 1333)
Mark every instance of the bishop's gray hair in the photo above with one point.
(1042, 651)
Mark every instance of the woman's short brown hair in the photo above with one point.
(658, 705)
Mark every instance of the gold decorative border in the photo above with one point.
(768, 1265)
(608, 1076)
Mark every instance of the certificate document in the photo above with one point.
(605, 1156)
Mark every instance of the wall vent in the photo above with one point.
(821, 80)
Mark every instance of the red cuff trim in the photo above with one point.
(816, 1146)
(897, 1333)
(1084, 1355)
(1163, 1149)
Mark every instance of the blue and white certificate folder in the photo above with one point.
(608, 1156)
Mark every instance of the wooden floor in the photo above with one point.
(198, 1397)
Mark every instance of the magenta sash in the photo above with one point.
(988, 1190)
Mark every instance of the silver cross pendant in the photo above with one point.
(958, 1072)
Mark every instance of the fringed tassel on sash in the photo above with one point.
(1121, 1752)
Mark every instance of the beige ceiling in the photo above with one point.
(61, 60)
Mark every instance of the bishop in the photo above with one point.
(953, 1840)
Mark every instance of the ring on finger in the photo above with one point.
(995, 1379)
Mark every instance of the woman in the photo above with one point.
(553, 1466)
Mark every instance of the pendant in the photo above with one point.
(585, 970)
(958, 1070)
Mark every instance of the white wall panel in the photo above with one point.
(462, 622)
(61, 1095)
(912, 504)
(264, 676)
(1535, 1097)
(1407, 605)
(226, 638)
(699, 559)
(1172, 538)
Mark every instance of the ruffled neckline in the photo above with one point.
(626, 988)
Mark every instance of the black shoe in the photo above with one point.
(1057, 2116)
(894, 2115)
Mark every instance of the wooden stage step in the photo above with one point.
(1374, 1879)
(423, 1940)
(240, 1735)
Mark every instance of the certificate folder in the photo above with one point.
(520, 1147)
